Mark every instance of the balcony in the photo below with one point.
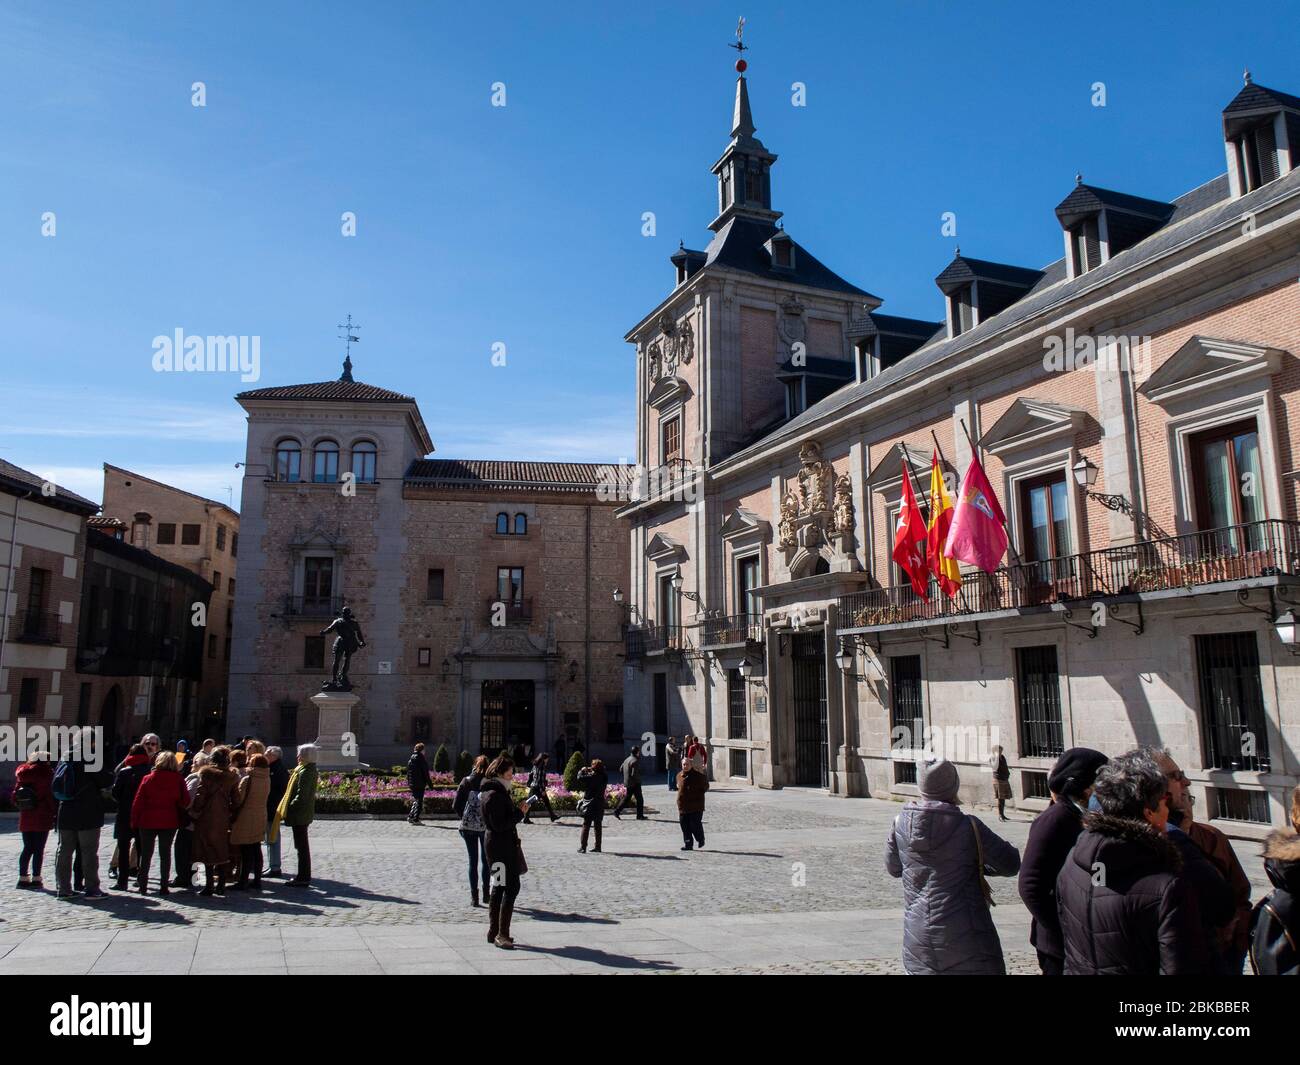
(646, 640)
(731, 630)
(509, 612)
(36, 627)
(1173, 563)
(313, 606)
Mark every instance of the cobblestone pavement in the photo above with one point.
(790, 881)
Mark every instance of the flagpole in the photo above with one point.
(961, 588)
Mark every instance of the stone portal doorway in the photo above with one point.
(808, 698)
(508, 716)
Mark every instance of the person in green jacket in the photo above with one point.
(298, 808)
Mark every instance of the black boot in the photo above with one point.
(596, 848)
(494, 915)
(503, 939)
(474, 894)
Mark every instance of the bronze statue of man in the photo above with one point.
(348, 641)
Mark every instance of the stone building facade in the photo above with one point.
(199, 534)
(1133, 404)
(484, 589)
(93, 630)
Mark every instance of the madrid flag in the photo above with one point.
(978, 535)
(909, 539)
(946, 570)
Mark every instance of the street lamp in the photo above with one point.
(618, 596)
(676, 582)
(1085, 476)
(746, 669)
(845, 657)
(1288, 630)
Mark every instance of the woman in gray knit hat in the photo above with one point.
(942, 856)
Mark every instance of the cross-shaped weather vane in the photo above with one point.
(740, 46)
(348, 334)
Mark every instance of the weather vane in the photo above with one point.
(740, 45)
(348, 335)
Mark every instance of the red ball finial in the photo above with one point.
(741, 66)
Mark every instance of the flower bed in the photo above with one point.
(383, 793)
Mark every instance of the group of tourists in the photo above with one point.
(215, 808)
(1117, 874)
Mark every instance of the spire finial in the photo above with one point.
(348, 335)
(1078, 178)
(740, 46)
(1245, 75)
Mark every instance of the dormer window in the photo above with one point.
(795, 397)
(1256, 151)
(1261, 128)
(961, 310)
(1085, 246)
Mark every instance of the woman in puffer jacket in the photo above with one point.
(1122, 898)
(1275, 926)
(942, 856)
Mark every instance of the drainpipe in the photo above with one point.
(586, 635)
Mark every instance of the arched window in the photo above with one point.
(503, 523)
(521, 524)
(288, 460)
(364, 456)
(325, 467)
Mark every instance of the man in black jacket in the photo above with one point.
(417, 779)
(79, 821)
(1051, 837)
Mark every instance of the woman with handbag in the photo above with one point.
(505, 854)
(943, 856)
(593, 780)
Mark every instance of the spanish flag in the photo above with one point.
(946, 570)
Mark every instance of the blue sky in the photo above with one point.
(522, 225)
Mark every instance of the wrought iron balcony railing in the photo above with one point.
(731, 629)
(1238, 552)
(654, 639)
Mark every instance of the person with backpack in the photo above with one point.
(1275, 922)
(156, 814)
(942, 856)
(472, 830)
(79, 821)
(632, 785)
(36, 810)
(418, 780)
(134, 768)
(537, 786)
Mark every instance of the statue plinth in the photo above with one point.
(335, 737)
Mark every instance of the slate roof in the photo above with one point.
(739, 246)
(1085, 199)
(963, 268)
(1256, 97)
(818, 366)
(329, 392)
(505, 473)
(15, 479)
(912, 327)
(1196, 213)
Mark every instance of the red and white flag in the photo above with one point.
(909, 539)
(978, 535)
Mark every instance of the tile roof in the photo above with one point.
(102, 521)
(503, 473)
(15, 478)
(329, 392)
(1196, 213)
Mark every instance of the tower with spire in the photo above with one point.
(744, 171)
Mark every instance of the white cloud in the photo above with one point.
(46, 413)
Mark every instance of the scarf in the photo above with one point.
(283, 808)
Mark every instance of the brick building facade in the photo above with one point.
(484, 589)
(1132, 404)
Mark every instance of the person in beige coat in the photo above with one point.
(250, 822)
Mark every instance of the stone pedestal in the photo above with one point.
(336, 739)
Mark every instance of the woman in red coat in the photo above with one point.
(36, 811)
(156, 812)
